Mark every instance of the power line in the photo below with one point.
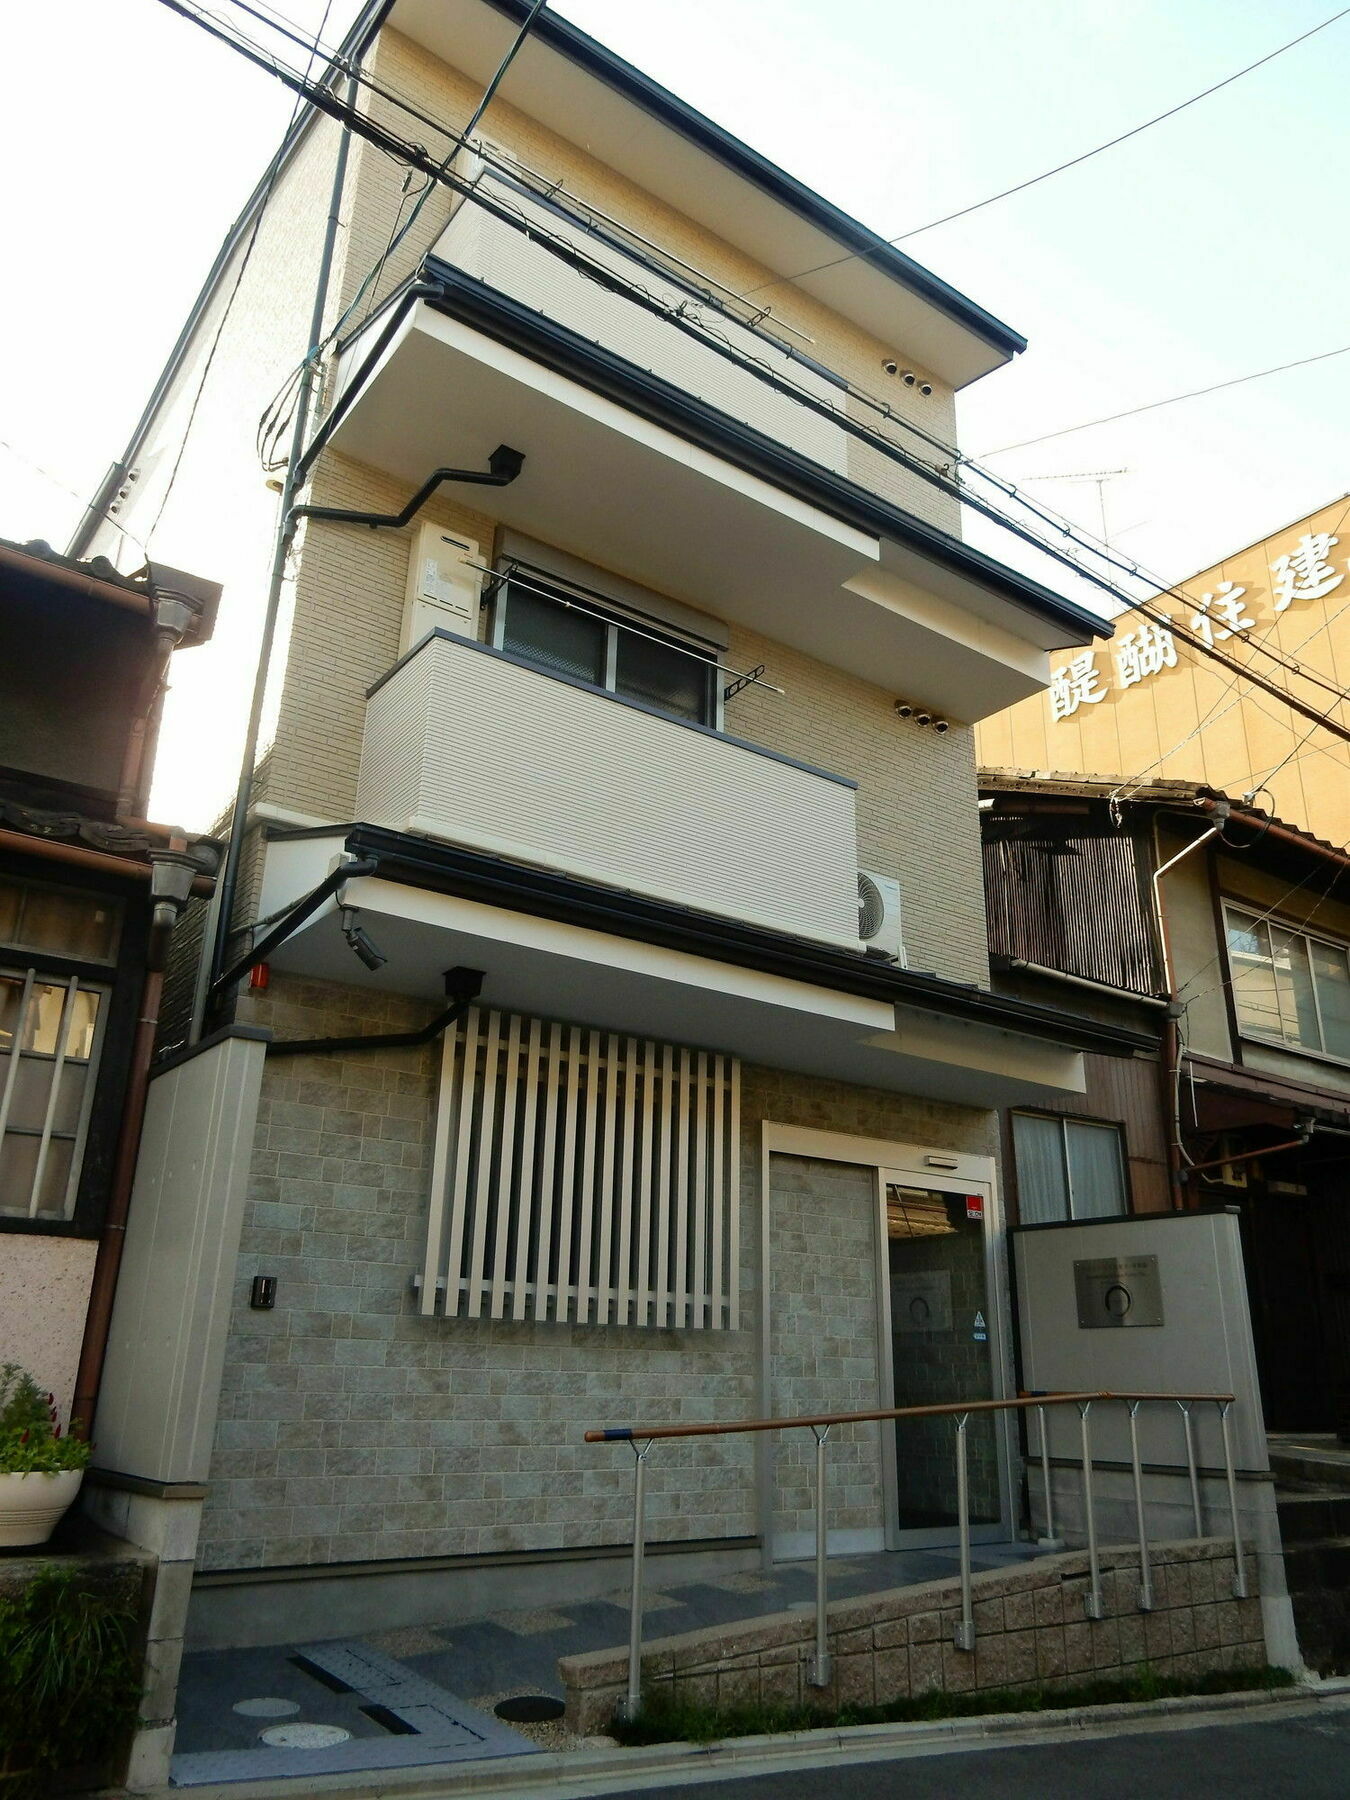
(1172, 400)
(65, 488)
(707, 334)
(269, 184)
(1213, 713)
(1072, 163)
(680, 319)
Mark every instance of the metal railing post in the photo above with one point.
(1191, 1473)
(963, 1634)
(631, 1704)
(1092, 1600)
(1048, 1535)
(1141, 1522)
(818, 1669)
(1239, 1566)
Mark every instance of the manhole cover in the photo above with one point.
(301, 1736)
(267, 1708)
(529, 1709)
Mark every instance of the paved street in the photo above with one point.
(1307, 1757)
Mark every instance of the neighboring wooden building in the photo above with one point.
(1150, 706)
(1245, 1099)
(89, 890)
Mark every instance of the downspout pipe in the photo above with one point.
(1172, 1035)
(462, 988)
(504, 465)
(172, 873)
(229, 877)
(293, 918)
(172, 618)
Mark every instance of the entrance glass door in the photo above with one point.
(943, 1334)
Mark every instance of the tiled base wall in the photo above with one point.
(351, 1429)
(1030, 1625)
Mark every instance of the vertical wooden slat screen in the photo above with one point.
(583, 1176)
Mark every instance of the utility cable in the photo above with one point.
(269, 185)
(400, 229)
(65, 488)
(679, 319)
(1210, 716)
(961, 462)
(1133, 412)
(1073, 162)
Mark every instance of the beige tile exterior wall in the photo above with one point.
(1030, 1633)
(444, 93)
(340, 623)
(352, 1428)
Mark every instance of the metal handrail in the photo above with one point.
(640, 1438)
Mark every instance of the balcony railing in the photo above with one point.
(466, 744)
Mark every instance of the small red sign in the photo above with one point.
(974, 1206)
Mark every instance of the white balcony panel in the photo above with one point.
(506, 259)
(467, 746)
(628, 495)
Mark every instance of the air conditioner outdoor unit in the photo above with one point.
(444, 589)
(879, 916)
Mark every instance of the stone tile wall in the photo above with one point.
(823, 1339)
(351, 1428)
(1031, 1631)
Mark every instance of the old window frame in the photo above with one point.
(120, 978)
(1297, 1045)
(1064, 1121)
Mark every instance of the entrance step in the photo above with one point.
(1314, 1515)
(1317, 1457)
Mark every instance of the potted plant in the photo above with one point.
(41, 1467)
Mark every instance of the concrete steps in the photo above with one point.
(1312, 1495)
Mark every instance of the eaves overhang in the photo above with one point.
(570, 81)
(521, 888)
(476, 303)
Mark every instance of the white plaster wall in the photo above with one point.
(44, 1290)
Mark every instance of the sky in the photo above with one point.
(1208, 247)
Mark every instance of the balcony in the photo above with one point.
(468, 746)
(651, 455)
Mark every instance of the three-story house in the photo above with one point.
(629, 647)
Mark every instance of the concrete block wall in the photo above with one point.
(351, 1428)
(1031, 1631)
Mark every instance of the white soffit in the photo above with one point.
(553, 969)
(615, 489)
(553, 89)
(599, 480)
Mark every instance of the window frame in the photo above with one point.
(1064, 1120)
(1244, 1030)
(614, 620)
(120, 981)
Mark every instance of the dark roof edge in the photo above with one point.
(363, 29)
(487, 309)
(543, 893)
(569, 41)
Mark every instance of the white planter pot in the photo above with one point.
(31, 1504)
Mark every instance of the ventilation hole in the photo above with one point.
(529, 1709)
